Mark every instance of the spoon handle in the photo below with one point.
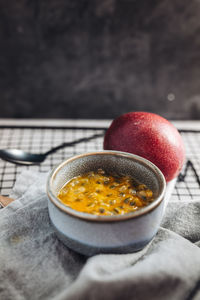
(4, 201)
(70, 144)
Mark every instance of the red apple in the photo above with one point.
(150, 136)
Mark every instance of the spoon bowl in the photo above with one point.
(21, 157)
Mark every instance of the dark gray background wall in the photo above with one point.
(99, 58)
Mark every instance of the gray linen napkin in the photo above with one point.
(34, 264)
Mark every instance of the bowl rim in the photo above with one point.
(90, 217)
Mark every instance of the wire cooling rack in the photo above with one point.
(41, 139)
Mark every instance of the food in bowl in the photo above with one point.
(101, 193)
(91, 234)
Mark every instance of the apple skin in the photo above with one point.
(150, 136)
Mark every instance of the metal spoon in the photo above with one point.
(24, 158)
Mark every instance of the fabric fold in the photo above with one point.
(34, 264)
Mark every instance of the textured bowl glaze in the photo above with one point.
(90, 234)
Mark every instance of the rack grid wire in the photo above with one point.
(41, 139)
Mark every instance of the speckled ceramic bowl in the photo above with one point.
(91, 234)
